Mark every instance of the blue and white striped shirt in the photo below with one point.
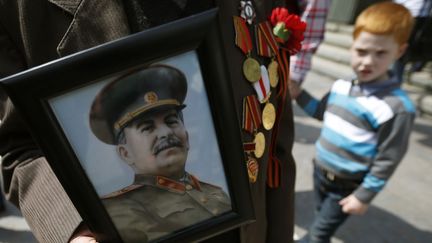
(365, 131)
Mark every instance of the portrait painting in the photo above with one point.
(119, 180)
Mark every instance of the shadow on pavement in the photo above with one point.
(13, 228)
(376, 226)
(11, 236)
(306, 134)
(298, 111)
(10, 210)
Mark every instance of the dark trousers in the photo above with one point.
(328, 191)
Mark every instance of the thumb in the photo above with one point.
(343, 201)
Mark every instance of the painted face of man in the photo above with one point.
(372, 54)
(156, 144)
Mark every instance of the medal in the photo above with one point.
(266, 41)
(251, 67)
(259, 145)
(251, 163)
(247, 11)
(273, 73)
(269, 116)
(252, 167)
(251, 70)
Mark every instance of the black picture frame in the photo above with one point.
(33, 91)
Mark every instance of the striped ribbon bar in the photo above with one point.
(266, 31)
(247, 121)
(263, 49)
(249, 147)
(252, 119)
(243, 39)
(254, 107)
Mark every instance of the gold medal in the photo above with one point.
(273, 73)
(269, 116)
(252, 167)
(259, 145)
(251, 70)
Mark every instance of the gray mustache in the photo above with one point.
(169, 142)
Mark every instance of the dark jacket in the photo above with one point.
(33, 32)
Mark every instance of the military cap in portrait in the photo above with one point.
(130, 96)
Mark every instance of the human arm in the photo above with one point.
(314, 14)
(393, 138)
(313, 107)
(294, 89)
(28, 181)
(30, 184)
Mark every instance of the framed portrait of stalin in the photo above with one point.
(142, 133)
(148, 136)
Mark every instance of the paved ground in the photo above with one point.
(13, 227)
(400, 214)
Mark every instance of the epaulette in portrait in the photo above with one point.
(122, 191)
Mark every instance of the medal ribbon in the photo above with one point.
(249, 147)
(284, 70)
(263, 49)
(274, 164)
(252, 119)
(254, 107)
(247, 121)
(243, 39)
(262, 87)
(266, 31)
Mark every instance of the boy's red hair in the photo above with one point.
(386, 18)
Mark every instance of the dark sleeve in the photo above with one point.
(393, 139)
(313, 107)
(28, 181)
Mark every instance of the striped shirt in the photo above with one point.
(315, 15)
(365, 131)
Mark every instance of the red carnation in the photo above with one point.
(288, 29)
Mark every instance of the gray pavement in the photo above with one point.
(401, 213)
(13, 227)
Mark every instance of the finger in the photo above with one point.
(351, 211)
(343, 201)
(346, 210)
